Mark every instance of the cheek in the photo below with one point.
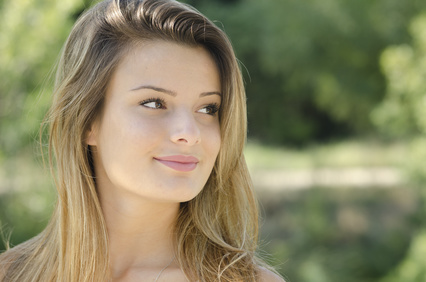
(213, 141)
(143, 132)
(129, 134)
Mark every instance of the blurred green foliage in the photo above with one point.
(402, 111)
(331, 235)
(413, 267)
(313, 67)
(16, 209)
(31, 35)
(27, 198)
(402, 114)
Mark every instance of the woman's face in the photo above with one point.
(158, 134)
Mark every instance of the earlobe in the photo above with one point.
(91, 136)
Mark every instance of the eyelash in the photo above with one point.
(156, 100)
(214, 107)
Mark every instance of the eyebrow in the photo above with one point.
(172, 93)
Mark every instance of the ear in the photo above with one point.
(91, 134)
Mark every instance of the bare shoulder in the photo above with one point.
(266, 275)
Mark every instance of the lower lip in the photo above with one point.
(184, 167)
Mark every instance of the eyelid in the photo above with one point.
(153, 100)
(214, 106)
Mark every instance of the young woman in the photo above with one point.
(147, 129)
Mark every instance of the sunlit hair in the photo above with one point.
(216, 232)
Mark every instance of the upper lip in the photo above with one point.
(178, 159)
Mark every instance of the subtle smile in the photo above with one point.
(179, 162)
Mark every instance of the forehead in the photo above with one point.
(168, 64)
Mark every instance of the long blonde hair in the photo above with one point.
(216, 232)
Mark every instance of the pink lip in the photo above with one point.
(179, 162)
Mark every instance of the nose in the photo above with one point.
(184, 129)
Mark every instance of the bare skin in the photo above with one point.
(160, 102)
(144, 248)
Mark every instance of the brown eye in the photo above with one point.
(154, 103)
(211, 109)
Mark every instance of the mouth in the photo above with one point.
(179, 162)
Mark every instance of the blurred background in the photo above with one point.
(337, 146)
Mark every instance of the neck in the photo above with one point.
(140, 231)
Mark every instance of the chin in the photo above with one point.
(187, 199)
(180, 194)
(188, 196)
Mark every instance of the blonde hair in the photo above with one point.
(216, 232)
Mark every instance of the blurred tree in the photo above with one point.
(402, 114)
(31, 35)
(402, 111)
(314, 69)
